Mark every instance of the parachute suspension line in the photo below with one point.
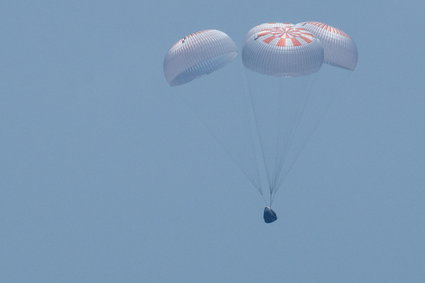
(279, 95)
(253, 182)
(254, 137)
(319, 121)
(288, 144)
(257, 130)
(298, 119)
(285, 148)
(298, 153)
(271, 198)
(279, 102)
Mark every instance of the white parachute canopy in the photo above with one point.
(198, 54)
(281, 49)
(340, 48)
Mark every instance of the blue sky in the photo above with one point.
(106, 176)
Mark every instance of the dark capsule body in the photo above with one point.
(269, 215)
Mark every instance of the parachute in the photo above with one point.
(198, 54)
(340, 48)
(282, 50)
(285, 53)
(290, 55)
(281, 61)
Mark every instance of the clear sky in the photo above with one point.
(105, 176)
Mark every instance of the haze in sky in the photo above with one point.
(108, 174)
